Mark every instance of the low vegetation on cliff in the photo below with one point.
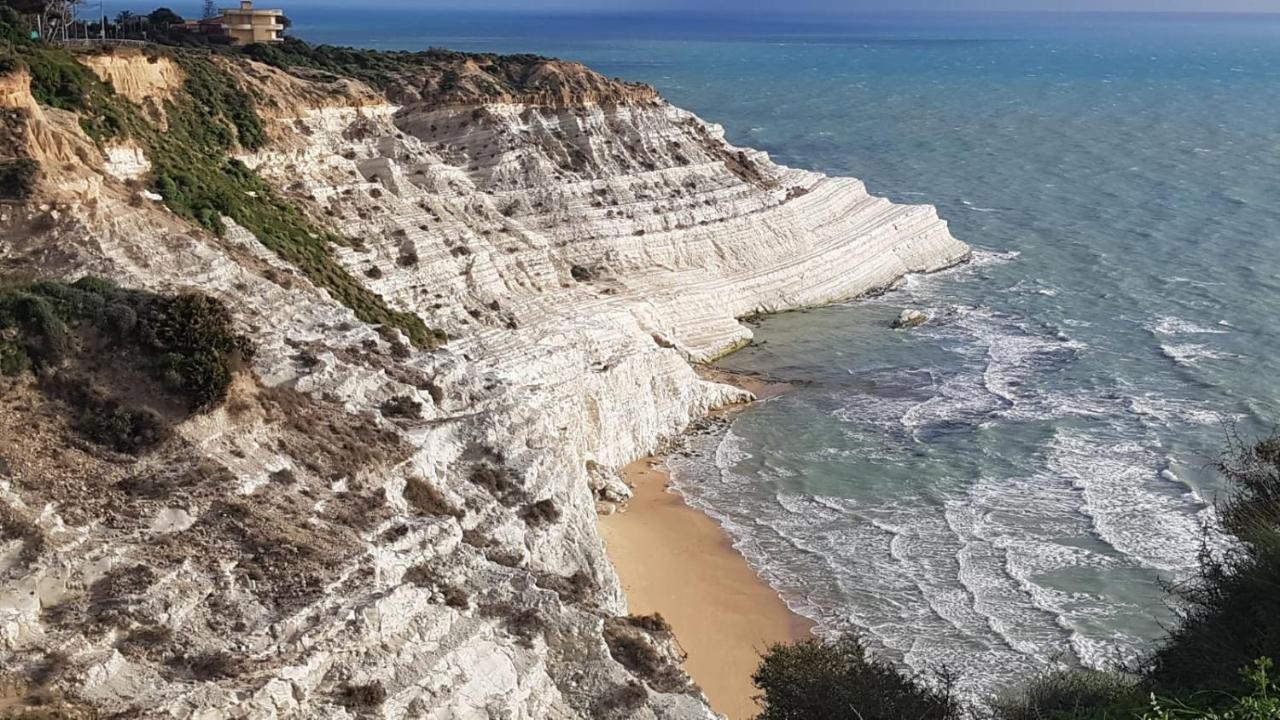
(18, 178)
(1216, 664)
(117, 358)
(451, 77)
(198, 178)
(194, 169)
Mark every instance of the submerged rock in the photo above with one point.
(909, 319)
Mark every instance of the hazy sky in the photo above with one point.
(824, 5)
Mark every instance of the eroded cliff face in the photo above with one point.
(366, 528)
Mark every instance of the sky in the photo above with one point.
(739, 6)
(823, 6)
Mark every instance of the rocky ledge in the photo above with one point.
(370, 525)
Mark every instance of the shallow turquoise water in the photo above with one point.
(1008, 485)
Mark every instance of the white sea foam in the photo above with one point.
(960, 583)
(1012, 569)
(1190, 354)
(1131, 512)
(985, 258)
(1167, 411)
(1178, 326)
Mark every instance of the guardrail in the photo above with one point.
(99, 41)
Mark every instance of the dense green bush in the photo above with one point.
(125, 429)
(1073, 695)
(815, 680)
(13, 31)
(1260, 702)
(219, 101)
(369, 65)
(1232, 609)
(186, 342)
(18, 178)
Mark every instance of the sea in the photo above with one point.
(1015, 485)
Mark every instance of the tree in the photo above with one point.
(815, 680)
(27, 7)
(124, 17)
(163, 17)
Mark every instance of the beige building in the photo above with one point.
(246, 25)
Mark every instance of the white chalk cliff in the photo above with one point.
(580, 245)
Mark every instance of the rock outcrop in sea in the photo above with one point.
(369, 526)
(909, 318)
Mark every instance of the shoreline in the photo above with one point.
(676, 560)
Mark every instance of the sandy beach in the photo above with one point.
(675, 560)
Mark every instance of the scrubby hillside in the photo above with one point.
(373, 334)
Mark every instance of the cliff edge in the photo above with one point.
(473, 286)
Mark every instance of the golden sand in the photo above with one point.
(675, 560)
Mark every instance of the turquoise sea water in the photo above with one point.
(1009, 485)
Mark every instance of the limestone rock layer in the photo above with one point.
(311, 549)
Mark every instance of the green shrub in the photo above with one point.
(815, 680)
(13, 30)
(59, 80)
(103, 420)
(41, 335)
(1261, 703)
(18, 178)
(1231, 610)
(128, 430)
(219, 101)
(1072, 695)
(186, 342)
(13, 358)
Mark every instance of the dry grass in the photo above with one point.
(427, 500)
(641, 644)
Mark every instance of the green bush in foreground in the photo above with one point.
(1262, 702)
(1073, 695)
(1232, 609)
(814, 680)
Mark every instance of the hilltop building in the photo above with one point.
(246, 25)
(243, 25)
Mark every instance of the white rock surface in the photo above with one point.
(580, 257)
